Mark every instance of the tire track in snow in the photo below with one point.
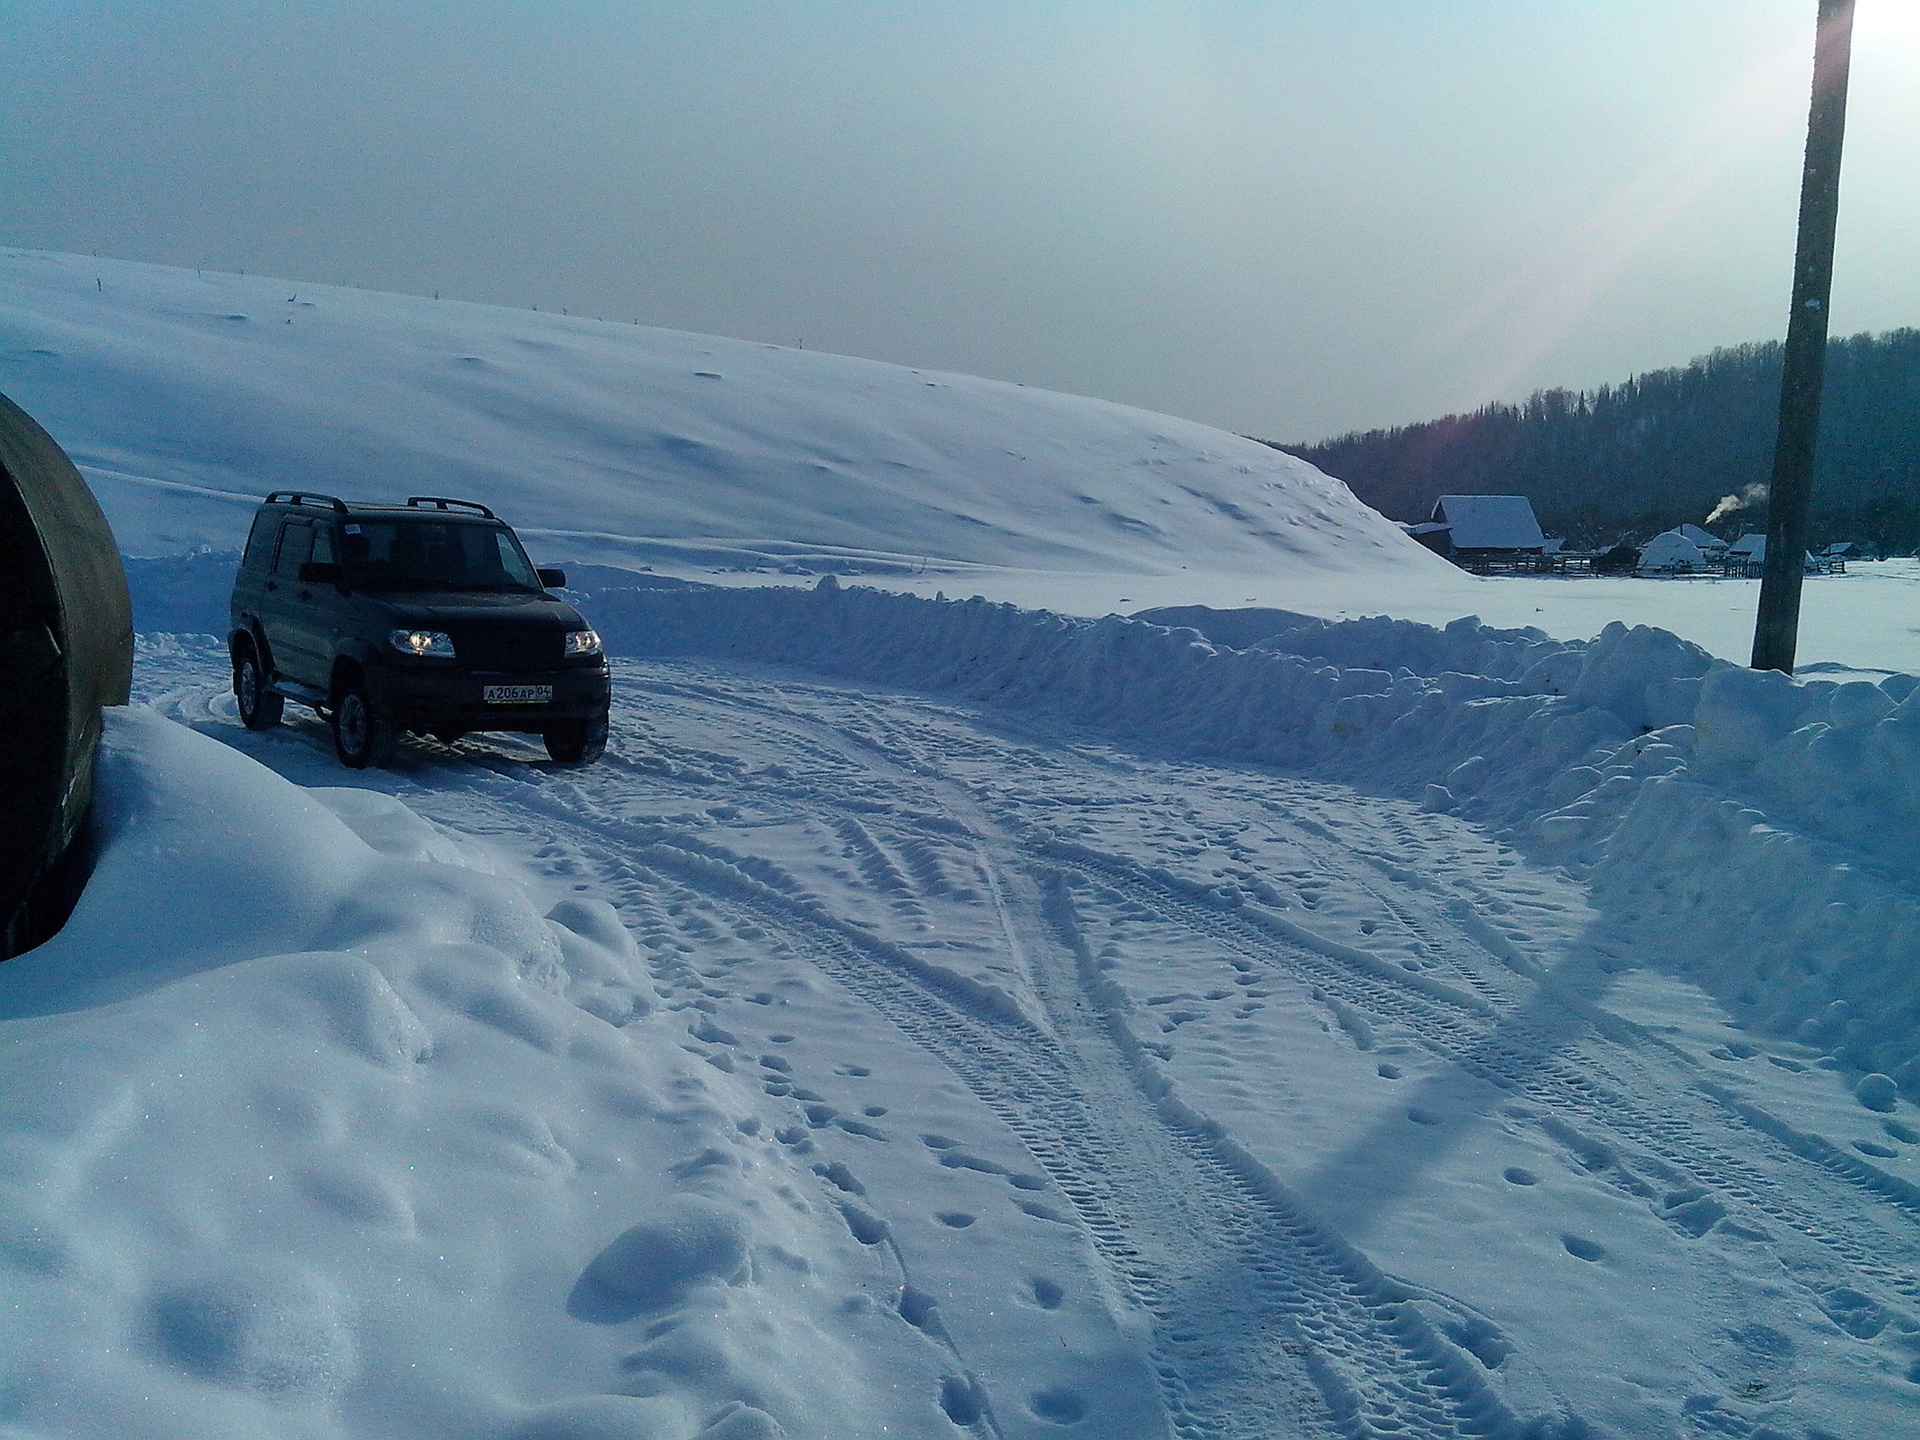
(1299, 1315)
(1529, 1052)
(1522, 1058)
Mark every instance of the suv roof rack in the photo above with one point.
(305, 497)
(441, 502)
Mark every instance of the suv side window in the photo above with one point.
(323, 543)
(296, 548)
(259, 543)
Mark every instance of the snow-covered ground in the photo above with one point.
(894, 1062)
(937, 1018)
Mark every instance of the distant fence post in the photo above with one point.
(1777, 623)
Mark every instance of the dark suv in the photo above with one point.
(424, 617)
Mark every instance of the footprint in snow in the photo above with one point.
(1060, 1405)
(961, 1400)
(1043, 1212)
(838, 1175)
(653, 1264)
(867, 1228)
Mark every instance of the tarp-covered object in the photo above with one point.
(1490, 522)
(66, 649)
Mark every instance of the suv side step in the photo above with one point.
(294, 690)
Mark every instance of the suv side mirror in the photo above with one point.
(552, 579)
(320, 572)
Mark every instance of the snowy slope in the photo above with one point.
(635, 444)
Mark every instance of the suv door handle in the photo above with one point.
(306, 594)
(273, 584)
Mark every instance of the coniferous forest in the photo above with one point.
(1666, 447)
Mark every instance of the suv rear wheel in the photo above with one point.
(362, 735)
(577, 742)
(260, 708)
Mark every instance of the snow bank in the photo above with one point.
(1765, 829)
(316, 1127)
(184, 397)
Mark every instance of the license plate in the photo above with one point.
(516, 694)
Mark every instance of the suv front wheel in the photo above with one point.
(577, 742)
(260, 708)
(362, 734)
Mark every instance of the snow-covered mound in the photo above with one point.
(184, 397)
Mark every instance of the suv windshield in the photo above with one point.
(434, 555)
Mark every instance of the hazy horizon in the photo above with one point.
(1291, 220)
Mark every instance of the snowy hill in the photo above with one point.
(177, 391)
(184, 397)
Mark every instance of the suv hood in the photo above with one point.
(442, 611)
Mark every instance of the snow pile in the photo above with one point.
(1764, 828)
(1464, 647)
(184, 397)
(316, 1127)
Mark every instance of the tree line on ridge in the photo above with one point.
(1684, 444)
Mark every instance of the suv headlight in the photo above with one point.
(582, 642)
(422, 642)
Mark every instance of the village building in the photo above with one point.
(1479, 530)
(1851, 550)
(1711, 545)
(1747, 554)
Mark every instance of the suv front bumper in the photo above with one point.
(451, 698)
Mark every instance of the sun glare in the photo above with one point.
(1886, 41)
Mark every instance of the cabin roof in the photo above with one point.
(1490, 522)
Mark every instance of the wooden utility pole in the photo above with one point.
(1776, 627)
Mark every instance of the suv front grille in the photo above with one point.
(517, 648)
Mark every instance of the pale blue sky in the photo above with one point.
(1289, 218)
